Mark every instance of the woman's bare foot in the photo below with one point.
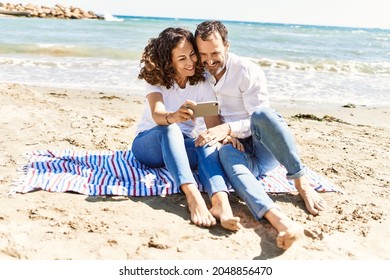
(313, 201)
(222, 211)
(200, 215)
(288, 231)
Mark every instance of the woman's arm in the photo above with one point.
(157, 108)
(163, 117)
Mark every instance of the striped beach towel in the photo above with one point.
(96, 173)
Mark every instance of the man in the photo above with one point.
(264, 138)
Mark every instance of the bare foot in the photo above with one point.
(288, 231)
(200, 215)
(227, 221)
(222, 211)
(286, 238)
(313, 201)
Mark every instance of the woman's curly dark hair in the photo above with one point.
(156, 61)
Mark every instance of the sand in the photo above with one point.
(351, 148)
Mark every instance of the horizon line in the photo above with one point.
(253, 22)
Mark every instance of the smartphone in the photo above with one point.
(204, 109)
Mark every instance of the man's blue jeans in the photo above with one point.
(167, 146)
(271, 144)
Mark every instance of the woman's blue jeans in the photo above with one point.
(271, 144)
(167, 146)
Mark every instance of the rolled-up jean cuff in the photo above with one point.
(297, 175)
(190, 182)
(259, 215)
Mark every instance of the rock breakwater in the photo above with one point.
(57, 11)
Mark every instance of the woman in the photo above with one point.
(165, 136)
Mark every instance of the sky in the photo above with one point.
(349, 13)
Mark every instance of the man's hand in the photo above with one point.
(213, 135)
(235, 142)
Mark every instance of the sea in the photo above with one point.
(316, 64)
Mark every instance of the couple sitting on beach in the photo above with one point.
(246, 140)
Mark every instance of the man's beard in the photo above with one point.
(215, 70)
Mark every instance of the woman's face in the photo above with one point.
(184, 59)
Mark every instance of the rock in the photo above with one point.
(57, 11)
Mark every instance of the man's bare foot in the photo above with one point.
(288, 231)
(313, 201)
(222, 211)
(200, 215)
(286, 238)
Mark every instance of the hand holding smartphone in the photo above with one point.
(204, 109)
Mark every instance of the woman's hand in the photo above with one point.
(183, 114)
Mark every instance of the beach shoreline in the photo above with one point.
(351, 149)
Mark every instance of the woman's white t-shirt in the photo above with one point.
(173, 98)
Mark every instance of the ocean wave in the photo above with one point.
(58, 50)
(70, 64)
(354, 67)
(110, 17)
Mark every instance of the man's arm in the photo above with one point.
(216, 131)
(219, 133)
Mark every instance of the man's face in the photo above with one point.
(213, 54)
